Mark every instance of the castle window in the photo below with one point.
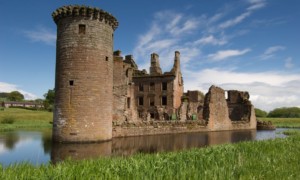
(151, 101)
(152, 115)
(128, 102)
(164, 86)
(152, 86)
(141, 87)
(141, 101)
(164, 100)
(106, 58)
(81, 29)
(71, 82)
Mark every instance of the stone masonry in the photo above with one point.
(84, 74)
(100, 94)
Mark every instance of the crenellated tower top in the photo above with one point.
(85, 11)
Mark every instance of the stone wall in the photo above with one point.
(84, 74)
(216, 110)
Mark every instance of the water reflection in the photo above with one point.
(36, 147)
(147, 144)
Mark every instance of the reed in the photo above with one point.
(270, 159)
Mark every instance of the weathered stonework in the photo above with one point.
(216, 110)
(100, 94)
(84, 74)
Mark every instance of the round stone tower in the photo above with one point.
(84, 74)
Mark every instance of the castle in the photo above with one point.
(100, 94)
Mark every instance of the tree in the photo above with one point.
(285, 112)
(49, 99)
(260, 113)
(15, 96)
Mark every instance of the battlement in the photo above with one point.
(85, 11)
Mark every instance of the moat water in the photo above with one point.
(36, 147)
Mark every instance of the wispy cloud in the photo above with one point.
(288, 63)
(41, 34)
(236, 20)
(6, 87)
(271, 51)
(254, 5)
(210, 40)
(224, 54)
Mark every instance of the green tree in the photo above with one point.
(15, 96)
(49, 99)
(285, 112)
(260, 113)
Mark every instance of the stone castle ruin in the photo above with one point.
(100, 94)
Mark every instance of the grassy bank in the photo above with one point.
(284, 122)
(13, 118)
(272, 159)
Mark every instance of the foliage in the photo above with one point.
(260, 113)
(4, 95)
(15, 96)
(49, 100)
(272, 159)
(7, 120)
(284, 122)
(285, 112)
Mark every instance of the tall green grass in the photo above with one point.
(23, 118)
(271, 159)
(284, 122)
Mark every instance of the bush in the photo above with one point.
(285, 112)
(260, 113)
(8, 120)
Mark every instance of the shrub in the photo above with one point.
(285, 112)
(260, 113)
(8, 120)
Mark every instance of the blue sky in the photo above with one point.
(250, 45)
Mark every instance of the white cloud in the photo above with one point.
(256, 4)
(41, 34)
(6, 87)
(268, 90)
(224, 54)
(270, 52)
(236, 20)
(288, 63)
(210, 40)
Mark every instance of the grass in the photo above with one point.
(271, 159)
(24, 119)
(284, 122)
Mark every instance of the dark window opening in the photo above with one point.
(152, 115)
(141, 114)
(81, 29)
(128, 102)
(141, 87)
(152, 86)
(141, 101)
(164, 86)
(164, 100)
(71, 83)
(151, 100)
(106, 58)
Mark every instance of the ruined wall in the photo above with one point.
(178, 81)
(152, 94)
(84, 74)
(215, 110)
(124, 107)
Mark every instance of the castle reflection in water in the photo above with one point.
(147, 144)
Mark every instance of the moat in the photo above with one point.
(36, 147)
